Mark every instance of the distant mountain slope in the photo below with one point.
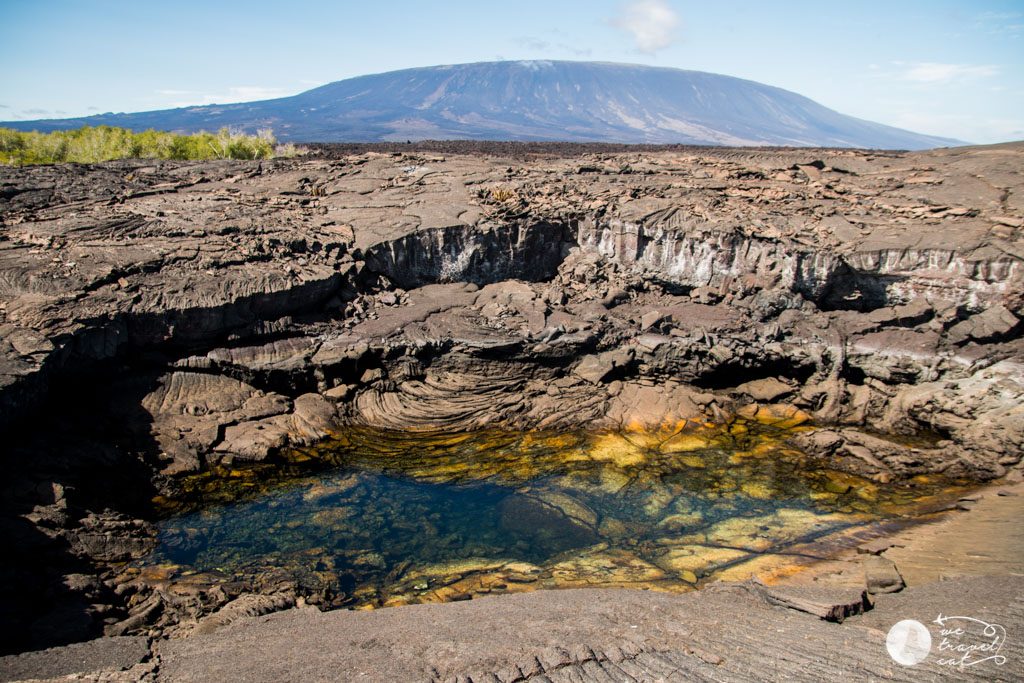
(571, 101)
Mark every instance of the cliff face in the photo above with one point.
(110, 261)
(861, 279)
(171, 317)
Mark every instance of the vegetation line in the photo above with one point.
(91, 144)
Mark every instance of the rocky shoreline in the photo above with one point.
(162, 319)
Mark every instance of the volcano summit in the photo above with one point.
(534, 101)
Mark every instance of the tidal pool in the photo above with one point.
(372, 518)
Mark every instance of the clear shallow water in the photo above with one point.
(390, 518)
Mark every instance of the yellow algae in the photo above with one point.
(567, 505)
(636, 425)
(757, 490)
(648, 442)
(681, 521)
(694, 461)
(613, 480)
(396, 601)
(331, 516)
(697, 559)
(837, 486)
(748, 411)
(770, 575)
(684, 424)
(617, 449)
(475, 584)
(657, 501)
(684, 504)
(765, 447)
(612, 528)
(764, 531)
(765, 567)
(778, 415)
(475, 564)
(606, 567)
(521, 568)
(868, 493)
(370, 560)
(369, 606)
(451, 439)
(321, 491)
(157, 573)
(425, 516)
(684, 441)
(558, 441)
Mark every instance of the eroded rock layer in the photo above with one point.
(164, 318)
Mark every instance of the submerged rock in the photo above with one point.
(545, 526)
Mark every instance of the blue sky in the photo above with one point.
(946, 68)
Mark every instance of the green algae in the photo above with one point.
(372, 517)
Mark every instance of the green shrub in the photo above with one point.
(92, 144)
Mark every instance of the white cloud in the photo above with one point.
(548, 48)
(935, 72)
(651, 23)
(1001, 23)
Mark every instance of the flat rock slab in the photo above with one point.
(882, 576)
(728, 632)
(102, 654)
(831, 603)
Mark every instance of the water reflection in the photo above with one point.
(388, 518)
